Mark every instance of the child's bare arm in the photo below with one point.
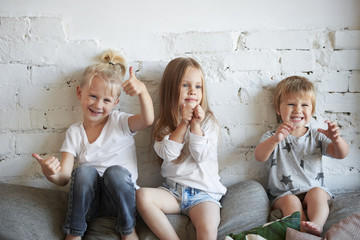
(264, 149)
(134, 87)
(338, 148)
(55, 171)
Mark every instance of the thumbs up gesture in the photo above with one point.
(133, 86)
(49, 166)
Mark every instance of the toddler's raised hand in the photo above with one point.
(133, 86)
(283, 131)
(332, 132)
(187, 113)
(49, 166)
(199, 115)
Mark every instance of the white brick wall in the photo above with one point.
(42, 58)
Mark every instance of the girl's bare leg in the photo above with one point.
(152, 204)
(206, 219)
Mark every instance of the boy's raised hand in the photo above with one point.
(283, 131)
(332, 132)
(49, 166)
(133, 86)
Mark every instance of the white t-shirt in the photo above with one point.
(114, 146)
(200, 168)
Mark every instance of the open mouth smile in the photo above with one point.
(95, 112)
(296, 119)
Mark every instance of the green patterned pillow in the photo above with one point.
(271, 231)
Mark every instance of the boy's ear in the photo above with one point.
(78, 92)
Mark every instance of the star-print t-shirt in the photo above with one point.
(295, 165)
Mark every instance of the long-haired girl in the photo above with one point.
(186, 137)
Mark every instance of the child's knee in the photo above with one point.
(117, 174)
(317, 191)
(316, 194)
(288, 200)
(207, 230)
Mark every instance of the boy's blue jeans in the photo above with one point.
(91, 196)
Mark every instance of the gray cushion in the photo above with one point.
(245, 205)
(342, 207)
(31, 213)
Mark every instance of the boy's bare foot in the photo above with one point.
(311, 228)
(132, 236)
(72, 237)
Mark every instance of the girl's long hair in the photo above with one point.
(169, 115)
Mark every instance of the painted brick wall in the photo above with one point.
(40, 68)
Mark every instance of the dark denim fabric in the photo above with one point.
(92, 196)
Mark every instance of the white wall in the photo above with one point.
(245, 48)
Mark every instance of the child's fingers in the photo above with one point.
(284, 132)
(321, 130)
(286, 128)
(199, 113)
(335, 134)
(131, 75)
(289, 124)
(331, 124)
(53, 162)
(37, 156)
(53, 165)
(128, 87)
(131, 72)
(182, 106)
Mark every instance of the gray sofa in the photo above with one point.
(34, 213)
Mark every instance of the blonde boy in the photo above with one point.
(294, 155)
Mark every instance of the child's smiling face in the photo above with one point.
(296, 108)
(97, 102)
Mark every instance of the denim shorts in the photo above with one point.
(188, 197)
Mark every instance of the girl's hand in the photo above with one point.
(332, 132)
(283, 131)
(187, 113)
(133, 86)
(49, 166)
(199, 115)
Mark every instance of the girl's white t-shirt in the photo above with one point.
(114, 146)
